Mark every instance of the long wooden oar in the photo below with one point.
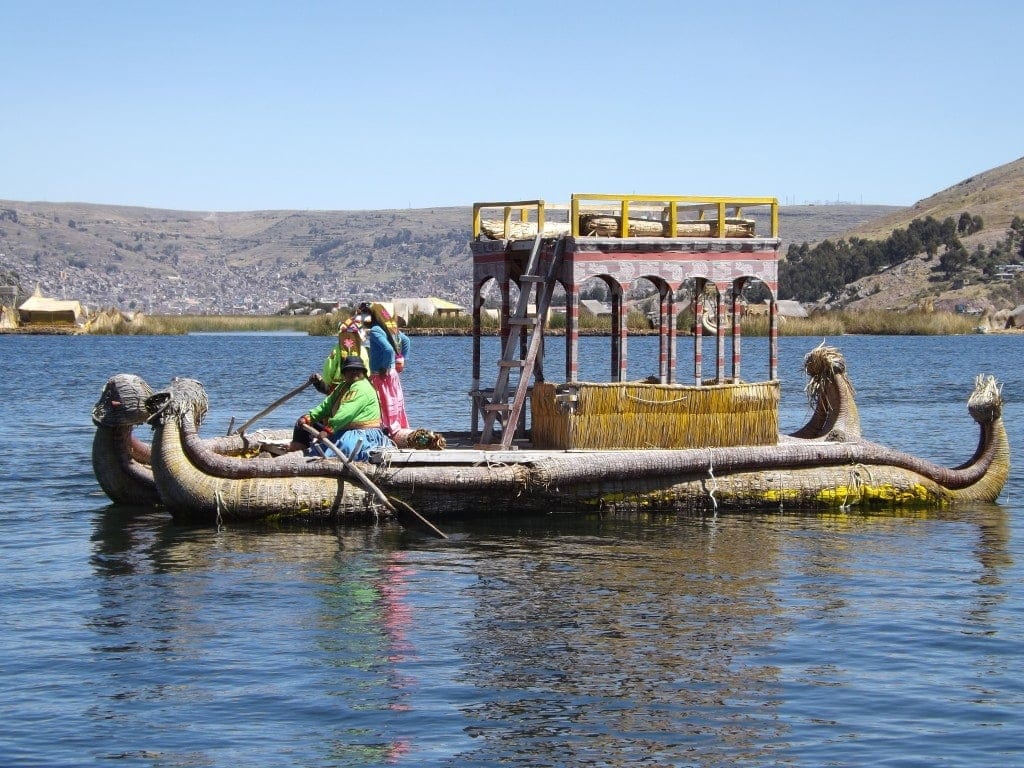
(272, 406)
(405, 514)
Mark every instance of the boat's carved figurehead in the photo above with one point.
(983, 476)
(993, 452)
(986, 401)
(120, 460)
(122, 402)
(181, 396)
(832, 398)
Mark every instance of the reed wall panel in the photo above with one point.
(639, 415)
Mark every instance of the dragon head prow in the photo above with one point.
(182, 396)
(122, 401)
(986, 401)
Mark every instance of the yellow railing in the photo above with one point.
(522, 207)
(667, 207)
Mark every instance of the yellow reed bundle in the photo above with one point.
(638, 415)
(609, 226)
(521, 230)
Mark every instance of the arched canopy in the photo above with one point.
(721, 252)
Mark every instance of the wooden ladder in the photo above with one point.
(499, 409)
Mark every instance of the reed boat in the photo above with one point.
(571, 446)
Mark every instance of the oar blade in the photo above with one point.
(410, 518)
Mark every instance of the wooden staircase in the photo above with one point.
(502, 410)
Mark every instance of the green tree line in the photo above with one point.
(810, 273)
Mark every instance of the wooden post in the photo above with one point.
(720, 338)
(736, 329)
(698, 331)
(671, 336)
(572, 332)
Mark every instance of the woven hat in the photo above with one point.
(353, 363)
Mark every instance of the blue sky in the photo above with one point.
(226, 106)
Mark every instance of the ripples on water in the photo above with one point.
(618, 641)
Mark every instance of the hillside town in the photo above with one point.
(163, 262)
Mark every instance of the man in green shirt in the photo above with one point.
(348, 417)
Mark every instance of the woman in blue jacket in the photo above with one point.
(388, 350)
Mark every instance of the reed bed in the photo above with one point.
(880, 323)
(419, 322)
(116, 324)
(876, 323)
(908, 323)
(636, 322)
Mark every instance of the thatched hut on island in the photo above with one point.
(39, 310)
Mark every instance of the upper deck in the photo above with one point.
(624, 237)
(627, 216)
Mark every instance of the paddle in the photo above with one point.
(273, 405)
(405, 514)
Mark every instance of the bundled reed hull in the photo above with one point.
(798, 475)
(195, 487)
(120, 460)
(121, 465)
(824, 465)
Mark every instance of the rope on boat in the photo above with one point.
(647, 401)
(858, 482)
(256, 436)
(221, 506)
(383, 472)
(495, 464)
(714, 480)
(384, 466)
(489, 462)
(854, 487)
(380, 473)
(157, 412)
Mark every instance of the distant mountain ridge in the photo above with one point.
(165, 261)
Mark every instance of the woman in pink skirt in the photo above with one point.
(388, 350)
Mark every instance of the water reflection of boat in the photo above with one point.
(623, 446)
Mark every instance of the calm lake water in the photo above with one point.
(753, 640)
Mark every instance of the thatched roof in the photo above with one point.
(40, 309)
(428, 305)
(596, 308)
(790, 308)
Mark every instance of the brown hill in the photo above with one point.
(997, 196)
(260, 261)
